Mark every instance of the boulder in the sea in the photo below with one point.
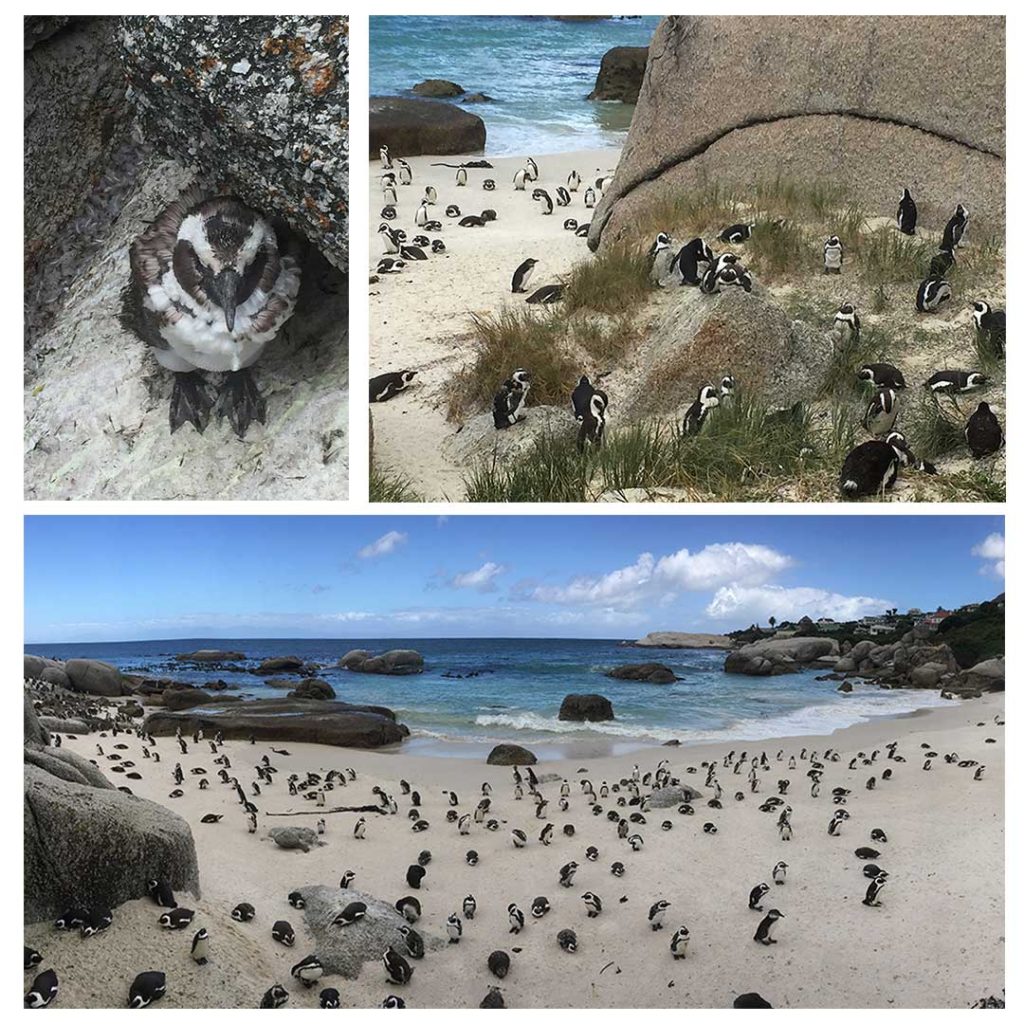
(296, 837)
(271, 666)
(344, 951)
(888, 113)
(390, 663)
(585, 707)
(511, 753)
(778, 656)
(313, 689)
(648, 672)
(669, 796)
(210, 655)
(621, 74)
(412, 127)
(332, 723)
(438, 89)
(258, 104)
(180, 700)
(98, 677)
(684, 641)
(477, 97)
(845, 687)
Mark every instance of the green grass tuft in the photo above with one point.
(386, 486)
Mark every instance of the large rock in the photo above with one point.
(776, 657)
(700, 337)
(986, 675)
(67, 765)
(299, 721)
(209, 655)
(413, 127)
(272, 666)
(180, 700)
(585, 707)
(75, 114)
(296, 837)
(511, 753)
(34, 732)
(649, 672)
(438, 89)
(344, 950)
(621, 74)
(259, 103)
(478, 440)
(683, 641)
(669, 796)
(390, 663)
(98, 677)
(737, 100)
(313, 689)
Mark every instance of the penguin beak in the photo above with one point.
(225, 294)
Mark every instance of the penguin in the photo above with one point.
(454, 927)
(709, 828)
(519, 180)
(350, 914)
(592, 853)
(412, 253)
(618, 869)
(574, 181)
(390, 195)
(656, 914)
(414, 876)
(494, 1000)
(757, 894)
(398, 970)
(274, 998)
(697, 413)
(522, 275)
(882, 375)
(566, 938)
(872, 467)
(879, 836)
(409, 908)
(469, 907)
(736, 234)
(297, 900)
(437, 246)
(540, 906)
(593, 904)
(414, 945)
(546, 294)
(33, 958)
(566, 874)
(931, 293)
(389, 238)
(510, 399)
(589, 198)
(942, 263)
(779, 873)
(660, 260)
(687, 261)
(983, 433)
(201, 947)
(562, 197)
(461, 177)
(393, 1003)
(547, 833)
(390, 266)
(570, 224)
(452, 211)
(833, 255)
(388, 212)
(955, 382)
(148, 987)
(726, 389)
(516, 919)
(990, 323)
(359, 832)
(835, 824)
(582, 230)
(846, 318)
(498, 963)
(404, 172)
(874, 888)
(330, 999)
(518, 838)
(866, 853)
(43, 990)
(489, 185)
(178, 918)
(243, 912)
(98, 919)
(308, 970)
(430, 195)
(906, 214)
(591, 416)
(751, 1001)
(160, 893)
(532, 173)
(680, 942)
(872, 871)
(979, 773)
(956, 227)
(283, 932)
(422, 214)
(546, 206)
(764, 929)
(385, 158)
(880, 416)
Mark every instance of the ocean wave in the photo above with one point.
(530, 721)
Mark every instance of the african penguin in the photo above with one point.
(906, 214)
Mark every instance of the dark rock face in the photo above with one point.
(180, 700)
(438, 89)
(313, 689)
(413, 127)
(390, 663)
(586, 707)
(511, 753)
(621, 74)
(271, 666)
(259, 104)
(649, 672)
(88, 676)
(845, 687)
(88, 843)
(75, 114)
(34, 732)
(301, 721)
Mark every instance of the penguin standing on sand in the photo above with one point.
(562, 197)
(148, 987)
(906, 214)
(757, 894)
(454, 928)
(847, 320)
(983, 433)
(589, 198)
(566, 938)
(404, 172)
(656, 914)
(661, 260)
(510, 399)
(833, 255)
(566, 874)
(308, 970)
(396, 967)
(385, 158)
(521, 276)
(679, 944)
(574, 181)
(519, 180)
(872, 468)
(540, 196)
(516, 919)
(779, 873)
(469, 907)
(991, 323)
(880, 416)
(874, 888)
(956, 228)
(764, 929)
(688, 260)
(422, 214)
(461, 177)
(697, 413)
(330, 999)
(201, 947)
(593, 904)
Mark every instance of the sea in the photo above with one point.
(478, 691)
(538, 71)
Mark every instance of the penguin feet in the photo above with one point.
(190, 401)
(241, 401)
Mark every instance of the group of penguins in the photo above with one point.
(400, 250)
(627, 805)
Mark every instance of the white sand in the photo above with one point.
(937, 941)
(420, 319)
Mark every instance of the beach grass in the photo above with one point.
(614, 282)
(388, 486)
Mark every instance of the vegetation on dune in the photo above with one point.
(978, 635)
(387, 486)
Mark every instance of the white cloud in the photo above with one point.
(383, 545)
(993, 550)
(478, 579)
(652, 579)
(756, 604)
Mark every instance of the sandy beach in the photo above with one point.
(420, 319)
(936, 941)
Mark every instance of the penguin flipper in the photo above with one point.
(190, 402)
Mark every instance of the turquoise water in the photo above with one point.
(519, 685)
(539, 72)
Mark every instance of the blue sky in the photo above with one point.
(96, 578)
